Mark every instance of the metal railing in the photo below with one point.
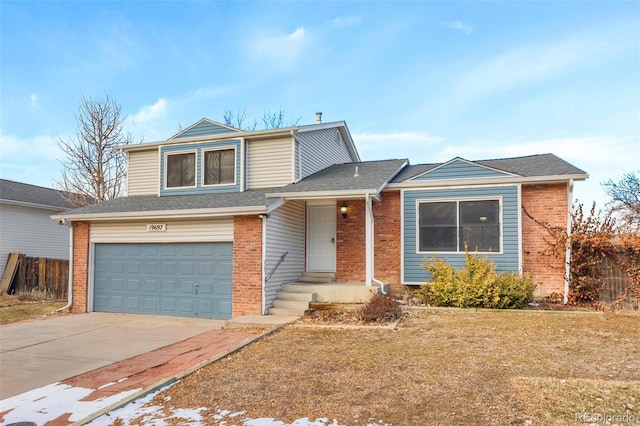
(277, 265)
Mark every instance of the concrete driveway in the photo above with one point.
(38, 353)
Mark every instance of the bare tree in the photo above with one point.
(625, 197)
(270, 120)
(94, 170)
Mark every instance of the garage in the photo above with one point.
(177, 279)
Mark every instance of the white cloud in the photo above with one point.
(280, 51)
(460, 26)
(15, 149)
(33, 99)
(149, 122)
(346, 21)
(533, 63)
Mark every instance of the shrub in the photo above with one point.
(478, 284)
(381, 307)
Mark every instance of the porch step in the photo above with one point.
(299, 296)
(317, 277)
(290, 304)
(283, 312)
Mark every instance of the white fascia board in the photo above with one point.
(486, 181)
(464, 161)
(34, 205)
(166, 214)
(210, 138)
(394, 174)
(356, 193)
(275, 205)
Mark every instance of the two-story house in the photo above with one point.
(217, 222)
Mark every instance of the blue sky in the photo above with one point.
(427, 81)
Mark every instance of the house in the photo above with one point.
(218, 222)
(25, 223)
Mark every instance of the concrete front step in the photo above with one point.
(282, 312)
(302, 297)
(335, 292)
(290, 304)
(317, 277)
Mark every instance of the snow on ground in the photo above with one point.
(158, 416)
(49, 402)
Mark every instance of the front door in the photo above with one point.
(321, 238)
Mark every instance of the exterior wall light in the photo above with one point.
(343, 210)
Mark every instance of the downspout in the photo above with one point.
(567, 254)
(370, 246)
(70, 289)
(264, 261)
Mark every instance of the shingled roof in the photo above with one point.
(36, 196)
(362, 177)
(149, 204)
(530, 166)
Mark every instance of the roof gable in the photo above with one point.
(459, 168)
(204, 127)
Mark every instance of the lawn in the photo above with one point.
(15, 308)
(437, 367)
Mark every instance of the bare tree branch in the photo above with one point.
(93, 168)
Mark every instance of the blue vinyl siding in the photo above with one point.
(199, 149)
(204, 128)
(458, 169)
(507, 260)
(177, 279)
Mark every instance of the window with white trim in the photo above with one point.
(449, 226)
(180, 169)
(219, 167)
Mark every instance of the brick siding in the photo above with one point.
(247, 265)
(549, 204)
(80, 267)
(351, 243)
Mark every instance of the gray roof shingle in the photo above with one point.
(31, 194)
(341, 177)
(529, 166)
(152, 203)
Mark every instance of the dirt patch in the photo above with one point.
(438, 367)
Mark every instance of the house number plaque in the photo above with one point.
(156, 227)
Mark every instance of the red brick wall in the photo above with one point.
(247, 265)
(80, 266)
(546, 203)
(387, 240)
(350, 242)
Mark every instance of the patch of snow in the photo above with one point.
(50, 402)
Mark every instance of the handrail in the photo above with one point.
(284, 255)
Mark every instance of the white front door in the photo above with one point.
(321, 238)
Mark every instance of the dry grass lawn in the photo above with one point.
(439, 367)
(15, 308)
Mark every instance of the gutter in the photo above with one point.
(567, 254)
(370, 245)
(485, 181)
(165, 214)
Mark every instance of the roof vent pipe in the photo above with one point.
(356, 173)
(318, 118)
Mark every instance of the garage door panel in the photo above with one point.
(181, 279)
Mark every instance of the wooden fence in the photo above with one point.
(41, 274)
(615, 282)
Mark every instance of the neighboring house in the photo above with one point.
(218, 220)
(25, 222)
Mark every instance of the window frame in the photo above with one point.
(457, 201)
(166, 169)
(203, 165)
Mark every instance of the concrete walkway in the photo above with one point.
(68, 369)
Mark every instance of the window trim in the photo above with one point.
(166, 169)
(457, 201)
(235, 168)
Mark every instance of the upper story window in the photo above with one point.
(219, 167)
(450, 225)
(181, 170)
